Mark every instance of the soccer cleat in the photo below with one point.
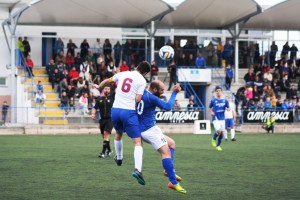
(178, 178)
(219, 148)
(138, 175)
(233, 139)
(177, 187)
(108, 153)
(101, 155)
(119, 162)
(213, 143)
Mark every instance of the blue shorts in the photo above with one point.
(126, 121)
(229, 123)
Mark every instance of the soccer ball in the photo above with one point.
(166, 52)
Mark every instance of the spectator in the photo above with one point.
(260, 105)
(293, 53)
(84, 89)
(95, 91)
(27, 48)
(40, 98)
(55, 77)
(97, 48)
(73, 75)
(284, 84)
(274, 102)
(39, 86)
(267, 104)
(172, 68)
(29, 66)
(117, 53)
(279, 104)
(64, 102)
(192, 106)
(249, 77)
(124, 67)
(127, 51)
(111, 69)
(69, 60)
(80, 83)
(84, 46)
(5, 108)
(257, 82)
(59, 46)
(246, 104)
(249, 92)
(228, 51)
(176, 106)
(102, 70)
(60, 58)
(275, 85)
(285, 50)
(252, 106)
(228, 75)
(97, 80)
(83, 103)
(200, 61)
(65, 74)
(256, 93)
(89, 57)
(61, 67)
(268, 76)
(108, 59)
(70, 91)
(21, 46)
(78, 61)
(71, 47)
(62, 86)
(286, 105)
(220, 50)
(268, 92)
(85, 65)
(85, 75)
(191, 60)
(107, 47)
(50, 68)
(273, 53)
(154, 71)
(182, 61)
(292, 104)
(292, 93)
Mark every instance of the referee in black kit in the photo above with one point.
(104, 104)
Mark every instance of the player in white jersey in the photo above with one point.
(230, 118)
(130, 88)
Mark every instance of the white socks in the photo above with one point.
(119, 149)
(138, 157)
(225, 134)
(232, 132)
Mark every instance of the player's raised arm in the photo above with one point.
(105, 82)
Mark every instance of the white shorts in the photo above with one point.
(155, 137)
(219, 125)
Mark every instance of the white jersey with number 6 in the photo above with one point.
(129, 85)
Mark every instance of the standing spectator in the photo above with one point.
(117, 53)
(200, 61)
(172, 68)
(260, 105)
(294, 51)
(5, 108)
(251, 54)
(21, 46)
(227, 53)
(154, 71)
(97, 47)
(139, 54)
(71, 96)
(50, 68)
(55, 77)
(40, 98)
(107, 47)
(228, 76)
(64, 102)
(127, 50)
(257, 53)
(177, 51)
(62, 86)
(84, 46)
(246, 104)
(285, 50)
(182, 61)
(124, 67)
(220, 50)
(249, 77)
(59, 46)
(27, 48)
(245, 53)
(71, 47)
(191, 60)
(69, 60)
(273, 53)
(29, 66)
(83, 103)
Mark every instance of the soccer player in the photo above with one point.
(217, 108)
(104, 104)
(153, 135)
(130, 88)
(230, 118)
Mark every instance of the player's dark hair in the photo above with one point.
(218, 88)
(143, 67)
(154, 85)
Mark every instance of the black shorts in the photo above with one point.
(106, 125)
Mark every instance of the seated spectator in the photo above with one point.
(258, 83)
(80, 83)
(39, 86)
(192, 106)
(102, 70)
(276, 74)
(84, 89)
(111, 69)
(124, 67)
(55, 77)
(91, 101)
(200, 61)
(252, 106)
(274, 102)
(154, 71)
(60, 58)
(29, 66)
(284, 84)
(90, 57)
(265, 69)
(249, 77)
(292, 93)
(176, 106)
(267, 104)
(93, 69)
(246, 104)
(78, 61)
(40, 98)
(73, 75)
(70, 91)
(268, 76)
(61, 66)
(70, 61)
(292, 104)
(279, 105)
(286, 105)
(97, 80)
(65, 74)
(95, 91)
(249, 92)
(64, 102)
(85, 75)
(191, 60)
(83, 103)
(275, 85)
(260, 105)
(62, 86)
(256, 93)
(268, 92)
(85, 66)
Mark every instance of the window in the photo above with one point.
(2, 81)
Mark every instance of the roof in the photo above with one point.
(193, 14)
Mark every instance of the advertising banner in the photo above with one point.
(262, 116)
(178, 116)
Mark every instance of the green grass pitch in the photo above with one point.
(67, 167)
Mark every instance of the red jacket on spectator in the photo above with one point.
(29, 62)
(70, 60)
(124, 68)
(73, 74)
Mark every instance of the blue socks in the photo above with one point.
(172, 153)
(220, 140)
(215, 136)
(169, 167)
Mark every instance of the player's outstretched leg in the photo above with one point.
(177, 187)
(213, 140)
(139, 177)
(218, 147)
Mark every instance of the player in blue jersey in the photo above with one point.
(217, 108)
(153, 135)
